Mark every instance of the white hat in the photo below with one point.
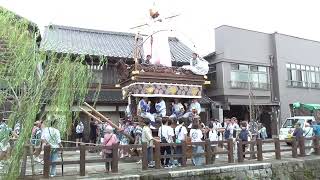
(109, 129)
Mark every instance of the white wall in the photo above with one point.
(240, 44)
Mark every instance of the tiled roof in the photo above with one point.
(65, 39)
(205, 99)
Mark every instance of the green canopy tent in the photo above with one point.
(301, 109)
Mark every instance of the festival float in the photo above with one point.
(158, 78)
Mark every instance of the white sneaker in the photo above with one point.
(77, 151)
(139, 162)
(217, 156)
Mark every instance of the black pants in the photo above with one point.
(108, 164)
(244, 150)
(166, 149)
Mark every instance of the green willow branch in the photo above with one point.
(64, 83)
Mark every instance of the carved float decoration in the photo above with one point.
(161, 81)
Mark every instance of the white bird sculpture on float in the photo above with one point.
(157, 43)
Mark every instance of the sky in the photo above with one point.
(196, 21)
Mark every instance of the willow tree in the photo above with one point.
(33, 79)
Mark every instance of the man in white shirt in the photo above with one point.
(166, 136)
(51, 136)
(196, 136)
(79, 133)
(161, 108)
(193, 108)
(233, 127)
(181, 134)
(197, 66)
(148, 138)
(177, 110)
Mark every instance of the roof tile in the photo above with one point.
(65, 39)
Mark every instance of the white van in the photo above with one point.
(287, 128)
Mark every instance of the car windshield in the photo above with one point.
(291, 122)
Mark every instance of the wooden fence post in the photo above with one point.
(316, 145)
(46, 160)
(294, 148)
(302, 148)
(115, 158)
(259, 149)
(144, 156)
(230, 151)
(82, 160)
(31, 149)
(240, 151)
(214, 151)
(184, 153)
(252, 144)
(157, 155)
(208, 152)
(277, 148)
(24, 162)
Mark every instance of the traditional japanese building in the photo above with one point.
(116, 47)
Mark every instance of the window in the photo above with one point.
(243, 67)
(235, 66)
(212, 75)
(254, 68)
(303, 76)
(97, 72)
(242, 75)
(262, 69)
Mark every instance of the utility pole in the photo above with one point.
(250, 97)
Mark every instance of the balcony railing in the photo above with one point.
(303, 84)
(245, 85)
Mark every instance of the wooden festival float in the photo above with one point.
(157, 81)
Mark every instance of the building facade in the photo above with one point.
(263, 74)
(115, 47)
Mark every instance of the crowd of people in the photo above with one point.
(172, 129)
(178, 111)
(40, 136)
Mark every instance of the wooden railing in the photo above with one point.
(256, 152)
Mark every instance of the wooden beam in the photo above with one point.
(106, 119)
